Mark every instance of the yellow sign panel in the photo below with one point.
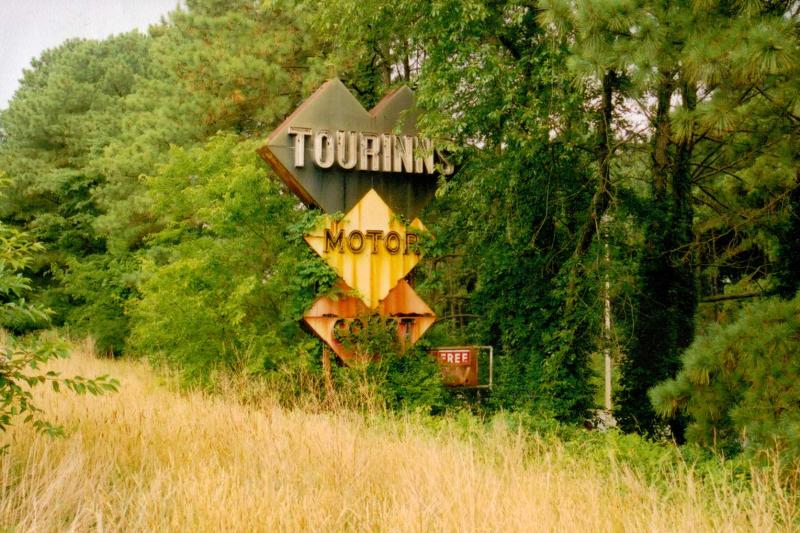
(370, 248)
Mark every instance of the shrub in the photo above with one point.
(405, 379)
(97, 288)
(221, 286)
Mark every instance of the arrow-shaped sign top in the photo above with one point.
(331, 152)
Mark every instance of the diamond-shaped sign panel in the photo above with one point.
(370, 248)
(413, 314)
(331, 151)
(332, 318)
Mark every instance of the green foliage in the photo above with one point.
(233, 68)
(95, 290)
(65, 112)
(383, 375)
(16, 254)
(400, 378)
(663, 321)
(220, 283)
(703, 81)
(20, 362)
(787, 260)
(490, 78)
(132, 160)
(413, 381)
(739, 383)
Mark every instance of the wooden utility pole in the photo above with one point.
(607, 317)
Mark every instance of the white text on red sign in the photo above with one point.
(454, 357)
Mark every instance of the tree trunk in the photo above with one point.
(787, 263)
(664, 318)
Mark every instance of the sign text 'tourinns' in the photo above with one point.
(357, 150)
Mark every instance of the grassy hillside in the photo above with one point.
(148, 458)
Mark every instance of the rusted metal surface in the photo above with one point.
(459, 365)
(327, 311)
(413, 315)
(372, 166)
(341, 303)
(312, 152)
(402, 305)
(370, 248)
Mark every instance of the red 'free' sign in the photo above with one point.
(454, 357)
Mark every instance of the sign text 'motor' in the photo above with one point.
(357, 241)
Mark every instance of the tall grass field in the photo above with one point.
(148, 458)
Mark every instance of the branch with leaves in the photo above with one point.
(21, 371)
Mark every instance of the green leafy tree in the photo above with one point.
(92, 117)
(731, 65)
(514, 225)
(233, 66)
(132, 160)
(695, 74)
(65, 112)
(739, 384)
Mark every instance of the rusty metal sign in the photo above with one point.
(412, 314)
(327, 311)
(370, 248)
(459, 366)
(373, 166)
(333, 319)
(331, 151)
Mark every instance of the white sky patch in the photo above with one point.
(29, 27)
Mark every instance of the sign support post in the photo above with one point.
(326, 372)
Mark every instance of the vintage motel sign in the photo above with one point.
(374, 167)
(411, 313)
(333, 319)
(370, 248)
(331, 152)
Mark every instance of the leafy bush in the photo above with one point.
(222, 285)
(16, 252)
(97, 289)
(739, 383)
(399, 378)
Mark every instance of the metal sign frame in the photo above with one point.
(330, 151)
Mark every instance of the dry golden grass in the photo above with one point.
(148, 459)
